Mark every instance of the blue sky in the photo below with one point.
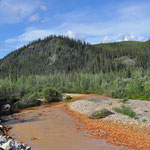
(94, 21)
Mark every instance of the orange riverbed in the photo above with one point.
(47, 128)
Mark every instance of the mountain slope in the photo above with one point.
(57, 54)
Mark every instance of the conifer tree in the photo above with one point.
(12, 73)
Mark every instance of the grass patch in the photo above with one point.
(144, 120)
(102, 114)
(125, 110)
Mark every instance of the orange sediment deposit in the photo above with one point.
(5, 131)
(33, 138)
(81, 96)
(120, 134)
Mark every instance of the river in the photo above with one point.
(46, 128)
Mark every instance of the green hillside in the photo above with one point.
(57, 54)
(120, 70)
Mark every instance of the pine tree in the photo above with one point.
(12, 73)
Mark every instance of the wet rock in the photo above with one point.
(1, 129)
(2, 140)
(6, 145)
(10, 144)
(6, 109)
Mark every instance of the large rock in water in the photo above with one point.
(5, 109)
(10, 144)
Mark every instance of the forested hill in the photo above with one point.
(57, 54)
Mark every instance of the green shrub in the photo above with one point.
(124, 100)
(28, 100)
(144, 120)
(113, 84)
(51, 95)
(102, 114)
(125, 110)
(117, 93)
(68, 97)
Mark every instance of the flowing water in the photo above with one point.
(46, 128)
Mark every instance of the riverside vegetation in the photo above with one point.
(60, 64)
(29, 89)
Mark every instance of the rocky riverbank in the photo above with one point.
(91, 105)
(6, 142)
(116, 128)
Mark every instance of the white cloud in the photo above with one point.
(10, 40)
(132, 19)
(13, 11)
(34, 18)
(34, 34)
(107, 39)
(129, 37)
(77, 36)
(127, 18)
(123, 37)
(30, 35)
(101, 29)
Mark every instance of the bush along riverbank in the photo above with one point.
(116, 85)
